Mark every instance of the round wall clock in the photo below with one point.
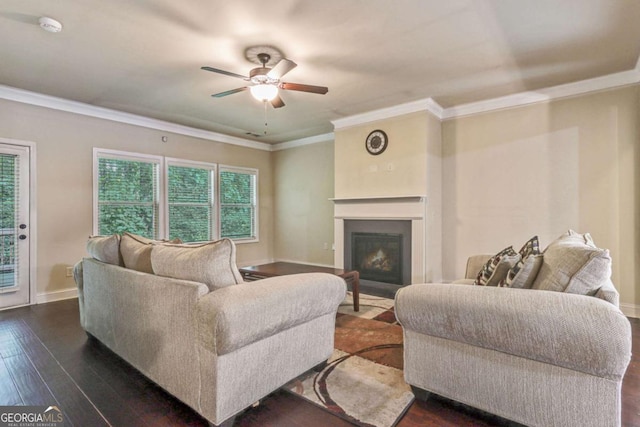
(376, 142)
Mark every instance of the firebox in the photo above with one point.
(377, 256)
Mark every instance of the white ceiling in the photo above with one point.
(144, 56)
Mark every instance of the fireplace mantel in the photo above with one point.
(379, 199)
(412, 207)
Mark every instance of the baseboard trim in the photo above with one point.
(57, 295)
(630, 310)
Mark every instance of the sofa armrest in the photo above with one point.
(77, 275)
(578, 332)
(238, 315)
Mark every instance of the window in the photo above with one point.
(238, 203)
(191, 201)
(159, 197)
(127, 195)
(9, 206)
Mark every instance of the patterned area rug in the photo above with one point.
(363, 381)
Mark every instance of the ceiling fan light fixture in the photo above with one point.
(264, 92)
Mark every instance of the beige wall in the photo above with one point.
(304, 213)
(399, 171)
(64, 146)
(542, 169)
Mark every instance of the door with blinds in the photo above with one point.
(14, 225)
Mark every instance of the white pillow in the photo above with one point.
(572, 263)
(136, 252)
(105, 249)
(213, 264)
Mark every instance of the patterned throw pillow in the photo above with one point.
(495, 270)
(524, 272)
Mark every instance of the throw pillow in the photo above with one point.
(136, 252)
(572, 263)
(531, 247)
(213, 264)
(525, 271)
(496, 268)
(105, 249)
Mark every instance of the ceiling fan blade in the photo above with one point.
(226, 73)
(281, 68)
(277, 102)
(229, 92)
(304, 88)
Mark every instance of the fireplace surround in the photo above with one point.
(412, 209)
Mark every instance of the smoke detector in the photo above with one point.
(50, 24)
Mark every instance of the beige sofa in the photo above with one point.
(218, 347)
(534, 356)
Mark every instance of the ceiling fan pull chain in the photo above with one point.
(265, 116)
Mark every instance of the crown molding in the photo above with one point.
(387, 113)
(543, 95)
(303, 141)
(61, 104)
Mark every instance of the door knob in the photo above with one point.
(22, 236)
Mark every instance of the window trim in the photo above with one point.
(256, 174)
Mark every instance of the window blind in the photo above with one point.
(191, 198)
(127, 196)
(238, 203)
(9, 204)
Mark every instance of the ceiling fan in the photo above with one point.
(265, 81)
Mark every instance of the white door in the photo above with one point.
(14, 225)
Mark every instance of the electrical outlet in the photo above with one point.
(69, 271)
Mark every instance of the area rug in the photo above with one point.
(363, 381)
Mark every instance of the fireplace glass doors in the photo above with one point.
(377, 256)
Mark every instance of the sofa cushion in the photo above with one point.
(213, 264)
(572, 263)
(136, 252)
(495, 270)
(105, 249)
(526, 269)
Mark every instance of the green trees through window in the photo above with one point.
(129, 199)
(191, 198)
(237, 204)
(8, 206)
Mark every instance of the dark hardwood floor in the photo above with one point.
(46, 359)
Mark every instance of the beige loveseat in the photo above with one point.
(538, 357)
(214, 342)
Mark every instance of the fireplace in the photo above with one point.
(377, 256)
(424, 255)
(380, 250)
